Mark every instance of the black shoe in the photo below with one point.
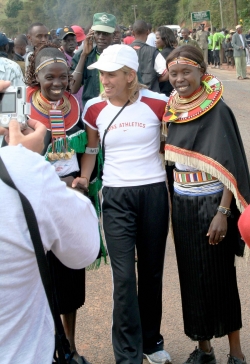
(200, 357)
(234, 360)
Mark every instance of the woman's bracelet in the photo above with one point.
(227, 208)
(85, 178)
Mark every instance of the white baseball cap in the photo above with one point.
(115, 57)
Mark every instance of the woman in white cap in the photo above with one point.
(127, 117)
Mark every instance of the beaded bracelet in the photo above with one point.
(227, 208)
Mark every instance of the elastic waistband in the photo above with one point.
(149, 185)
(192, 177)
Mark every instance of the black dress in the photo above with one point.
(69, 284)
(210, 143)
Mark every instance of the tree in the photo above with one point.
(13, 7)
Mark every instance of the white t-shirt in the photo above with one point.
(151, 39)
(160, 64)
(64, 167)
(68, 226)
(133, 141)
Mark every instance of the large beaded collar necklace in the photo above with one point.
(183, 110)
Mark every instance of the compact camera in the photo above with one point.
(13, 106)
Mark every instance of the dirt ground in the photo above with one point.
(94, 319)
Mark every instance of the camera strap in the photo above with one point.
(107, 129)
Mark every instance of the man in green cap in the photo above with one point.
(101, 33)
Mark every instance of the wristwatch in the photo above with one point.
(224, 211)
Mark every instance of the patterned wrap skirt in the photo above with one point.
(210, 299)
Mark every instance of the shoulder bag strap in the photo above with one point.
(61, 341)
(107, 129)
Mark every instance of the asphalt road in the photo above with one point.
(93, 329)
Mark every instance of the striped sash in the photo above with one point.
(192, 177)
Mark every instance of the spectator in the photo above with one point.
(165, 40)
(239, 44)
(202, 40)
(244, 226)
(186, 40)
(222, 35)
(152, 65)
(129, 38)
(102, 34)
(37, 36)
(248, 38)
(151, 36)
(10, 51)
(9, 70)
(27, 329)
(229, 52)
(117, 39)
(20, 44)
(216, 48)
(68, 46)
(79, 33)
(193, 34)
(210, 48)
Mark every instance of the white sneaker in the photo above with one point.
(159, 357)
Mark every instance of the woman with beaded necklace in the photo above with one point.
(65, 141)
(211, 188)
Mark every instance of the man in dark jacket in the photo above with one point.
(152, 65)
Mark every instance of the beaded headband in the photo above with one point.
(184, 60)
(50, 61)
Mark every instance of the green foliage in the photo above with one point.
(244, 13)
(13, 7)
(57, 13)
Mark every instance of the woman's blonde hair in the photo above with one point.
(134, 86)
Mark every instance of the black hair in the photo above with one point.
(33, 25)
(21, 39)
(149, 26)
(167, 36)
(11, 50)
(188, 51)
(140, 27)
(40, 55)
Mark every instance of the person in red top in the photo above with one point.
(129, 38)
(244, 225)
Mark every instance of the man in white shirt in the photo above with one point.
(151, 36)
(9, 70)
(27, 328)
(239, 44)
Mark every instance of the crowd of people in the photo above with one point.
(221, 46)
(106, 103)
